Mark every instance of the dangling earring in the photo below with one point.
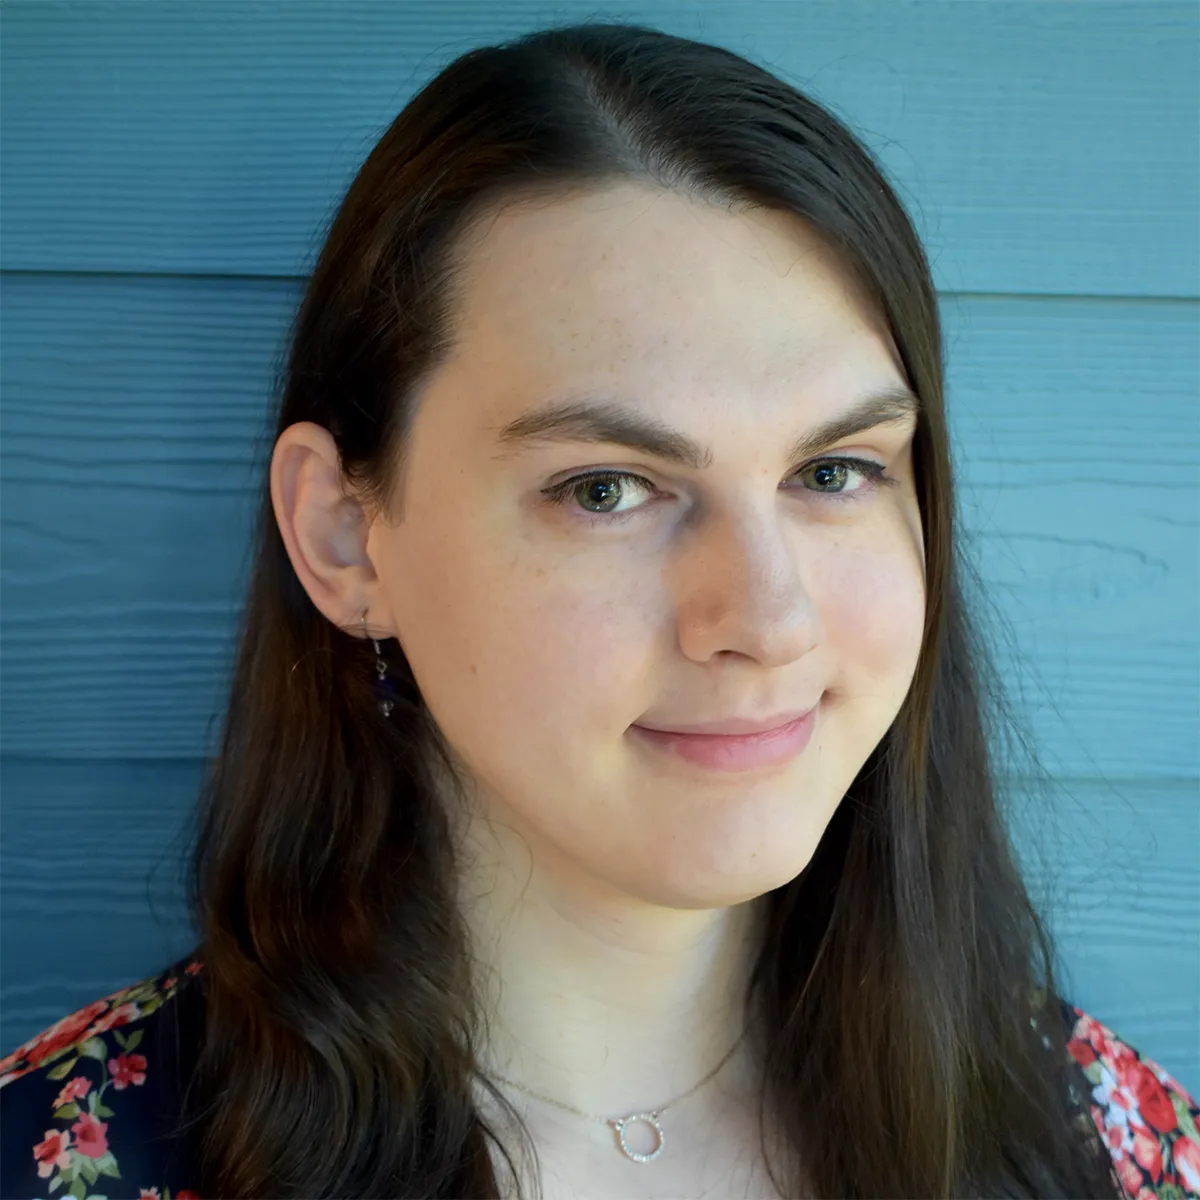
(385, 689)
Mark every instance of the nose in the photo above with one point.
(739, 589)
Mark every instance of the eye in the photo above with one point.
(599, 487)
(872, 473)
(607, 488)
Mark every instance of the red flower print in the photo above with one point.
(192, 968)
(1147, 1153)
(1114, 1135)
(1081, 1052)
(1088, 1029)
(170, 981)
(121, 1015)
(63, 1033)
(1187, 1161)
(126, 1069)
(90, 1136)
(186, 1194)
(73, 1089)
(1131, 1178)
(1127, 1067)
(52, 1152)
(1152, 1099)
(148, 1194)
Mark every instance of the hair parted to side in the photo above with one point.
(905, 986)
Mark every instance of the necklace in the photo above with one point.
(621, 1124)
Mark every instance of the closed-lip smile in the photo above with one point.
(732, 726)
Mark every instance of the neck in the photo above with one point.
(597, 999)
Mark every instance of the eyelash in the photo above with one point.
(560, 493)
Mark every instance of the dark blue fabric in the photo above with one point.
(137, 1093)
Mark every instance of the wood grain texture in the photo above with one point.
(134, 436)
(1112, 865)
(1042, 147)
(92, 854)
(91, 881)
(166, 171)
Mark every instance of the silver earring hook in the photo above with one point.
(383, 685)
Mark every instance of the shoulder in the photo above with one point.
(91, 1104)
(1145, 1117)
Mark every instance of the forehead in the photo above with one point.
(639, 289)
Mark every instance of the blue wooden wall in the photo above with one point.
(167, 170)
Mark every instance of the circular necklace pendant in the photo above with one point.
(650, 1119)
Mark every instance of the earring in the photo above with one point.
(385, 689)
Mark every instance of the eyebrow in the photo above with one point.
(601, 417)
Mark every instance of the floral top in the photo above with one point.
(87, 1106)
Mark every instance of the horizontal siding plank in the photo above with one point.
(92, 857)
(91, 882)
(135, 429)
(1042, 148)
(1111, 865)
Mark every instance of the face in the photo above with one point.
(663, 592)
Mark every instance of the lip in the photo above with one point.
(734, 726)
(734, 752)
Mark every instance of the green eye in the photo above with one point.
(830, 470)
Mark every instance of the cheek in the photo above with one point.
(872, 604)
(511, 659)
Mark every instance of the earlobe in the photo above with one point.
(323, 528)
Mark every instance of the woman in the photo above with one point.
(604, 802)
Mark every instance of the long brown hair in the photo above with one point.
(911, 1028)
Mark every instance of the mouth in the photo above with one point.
(734, 752)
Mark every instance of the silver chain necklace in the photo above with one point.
(621, 1124)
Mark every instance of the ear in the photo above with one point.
(325, 530)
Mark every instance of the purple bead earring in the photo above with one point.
(385, 689)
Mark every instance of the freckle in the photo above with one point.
(474, 669)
